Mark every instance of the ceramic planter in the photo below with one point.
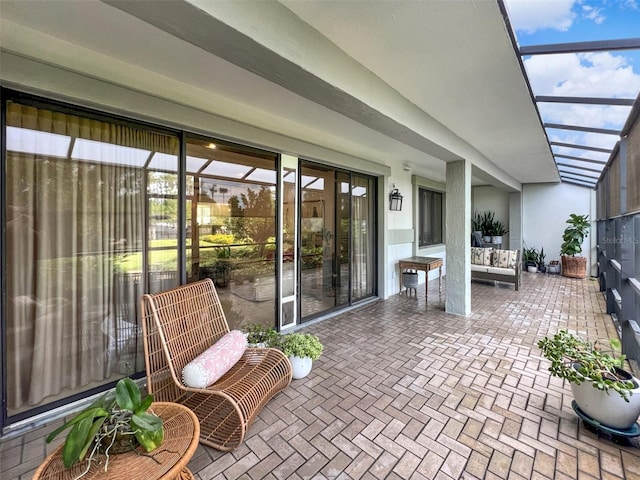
(532, 269)
(609, 409)
(300, 366)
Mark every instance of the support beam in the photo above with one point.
(580, 147)
(590, 177)
(578, 47)
(578, 182)
(626, 102)
(606, 131)
(458, 238)
(599, 171)
(588, 160)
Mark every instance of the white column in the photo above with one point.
(515, 221)
(458, 238)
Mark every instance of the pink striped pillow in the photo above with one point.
(215, 361)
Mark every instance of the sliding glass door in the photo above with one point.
(337, 235)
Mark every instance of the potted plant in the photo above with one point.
(261, 336)
(541, 257)
(572, 238)
(554, 266)
(222, 267)
(499, 229)
(601, 388)
(476, 223)
(487, 219)
(530, 259)
(302, 349)
(111, 425)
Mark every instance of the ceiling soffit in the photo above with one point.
(191, 24)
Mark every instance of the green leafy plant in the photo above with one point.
(530, 256)
(261, 334)
(541, 257)
(578, 360)
(487, 220)
(301, 345)
(574, 235)
(499, 228)
(476, 222)
(100, 425)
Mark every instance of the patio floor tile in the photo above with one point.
(404, 390)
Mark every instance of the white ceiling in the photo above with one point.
(453, 60)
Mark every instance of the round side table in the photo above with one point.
(167, 462)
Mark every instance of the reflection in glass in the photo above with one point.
(363, 237)
(317, 233)
(231, 229)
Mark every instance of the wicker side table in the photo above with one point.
(168, 462)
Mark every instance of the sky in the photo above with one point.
(600, 74)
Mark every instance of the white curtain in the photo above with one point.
(69, 222)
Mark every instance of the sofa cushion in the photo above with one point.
(501, 271)
(215, 361)
(505, 258)
(481, 256)
(479, 268)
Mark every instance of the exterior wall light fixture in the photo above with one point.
(395, 200)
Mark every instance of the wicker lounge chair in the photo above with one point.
(180, 324)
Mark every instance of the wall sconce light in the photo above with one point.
(395, 200)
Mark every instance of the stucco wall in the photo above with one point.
(546, 208)
(495, 200)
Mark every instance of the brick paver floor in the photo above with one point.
(405, 390)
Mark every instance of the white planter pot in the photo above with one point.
(496, 239)
(532, 269)
(486, 239)
(300, 366)
(609, 409)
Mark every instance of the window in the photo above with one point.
(430, 211)
(90, 227)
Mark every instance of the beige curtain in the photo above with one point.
(68, 224)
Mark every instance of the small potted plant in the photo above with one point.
(261, 336)
(574, 266)
(554, 266)
(530, 259)
(110, 426)
(541, 256)
(302, 349)
(486, 220)
(601, 388)
(222, 267)
(499, 229)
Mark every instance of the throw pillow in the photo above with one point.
(215, 361)
(505, 258)
(481, 256)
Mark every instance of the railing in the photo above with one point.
(618, 274)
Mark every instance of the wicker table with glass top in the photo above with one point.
(167, 462)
